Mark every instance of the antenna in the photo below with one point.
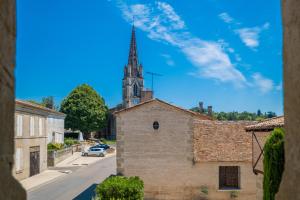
(152, 78)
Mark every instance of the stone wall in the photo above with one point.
(9, 187)
(54, 157)
(164, 158)
(289, 188)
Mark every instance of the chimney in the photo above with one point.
(209, 111)
(201, 109)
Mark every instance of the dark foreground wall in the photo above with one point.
(9, 187)
(289, 188)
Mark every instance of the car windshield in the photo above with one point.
(96, 149)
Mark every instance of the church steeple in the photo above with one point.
(133, 57)
(133, 82)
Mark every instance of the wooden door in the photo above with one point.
(34, 161)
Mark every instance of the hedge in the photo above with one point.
(55, 146)
(273, 163)
(120, 188)
(70, 141)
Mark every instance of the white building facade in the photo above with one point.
(56, 126)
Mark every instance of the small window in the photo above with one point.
(229, 177)
(135, 90)
(155, 125)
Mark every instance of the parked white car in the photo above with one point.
(94, 152)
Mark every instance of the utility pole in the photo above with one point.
(152, 78)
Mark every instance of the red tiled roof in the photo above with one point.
(267, 124)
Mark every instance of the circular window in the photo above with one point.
(155, 125)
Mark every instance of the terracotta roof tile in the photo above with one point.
(222, 141)
(267, 124)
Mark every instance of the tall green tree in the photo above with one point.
(273, 163)
(85, 109)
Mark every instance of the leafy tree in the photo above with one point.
(85, 109)
(270, 114)
(234, 116)
(258, 113)
(48, 102)
(273, 163)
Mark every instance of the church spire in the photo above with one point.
(133, 58)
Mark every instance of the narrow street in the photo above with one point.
(79, 185)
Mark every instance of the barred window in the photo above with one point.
(229, 177)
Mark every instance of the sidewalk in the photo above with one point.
(61, 169)
(39, 179)
(68, 161)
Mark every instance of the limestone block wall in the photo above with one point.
(9, 187)
(25, 141)
(164, 158)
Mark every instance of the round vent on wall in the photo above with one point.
(155, 125)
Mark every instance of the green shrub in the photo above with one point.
(121, 188)
(55, 146)
(273, 163)
(103, 140)
(70, 141)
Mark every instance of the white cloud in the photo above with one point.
(168, 59)
(250, 36)
(226, 17)
(162, 23)
(263, 84)
(211, 58)
(170, 14)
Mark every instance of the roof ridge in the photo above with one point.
(38, 106)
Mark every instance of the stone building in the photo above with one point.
(260, 132)
(181, 154)
(31, 131)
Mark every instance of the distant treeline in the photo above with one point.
(235, 116)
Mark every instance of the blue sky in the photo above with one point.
(226, 53)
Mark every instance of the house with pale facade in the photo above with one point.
(56, 127)
(31, 132)
(260, 132)
(180, 154)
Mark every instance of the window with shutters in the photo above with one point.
(40, 126)
(31, 126)
(19, 125)
(19, 159)
(229, 177)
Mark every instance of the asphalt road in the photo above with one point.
(79, 185)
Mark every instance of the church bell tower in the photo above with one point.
(133, 81)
